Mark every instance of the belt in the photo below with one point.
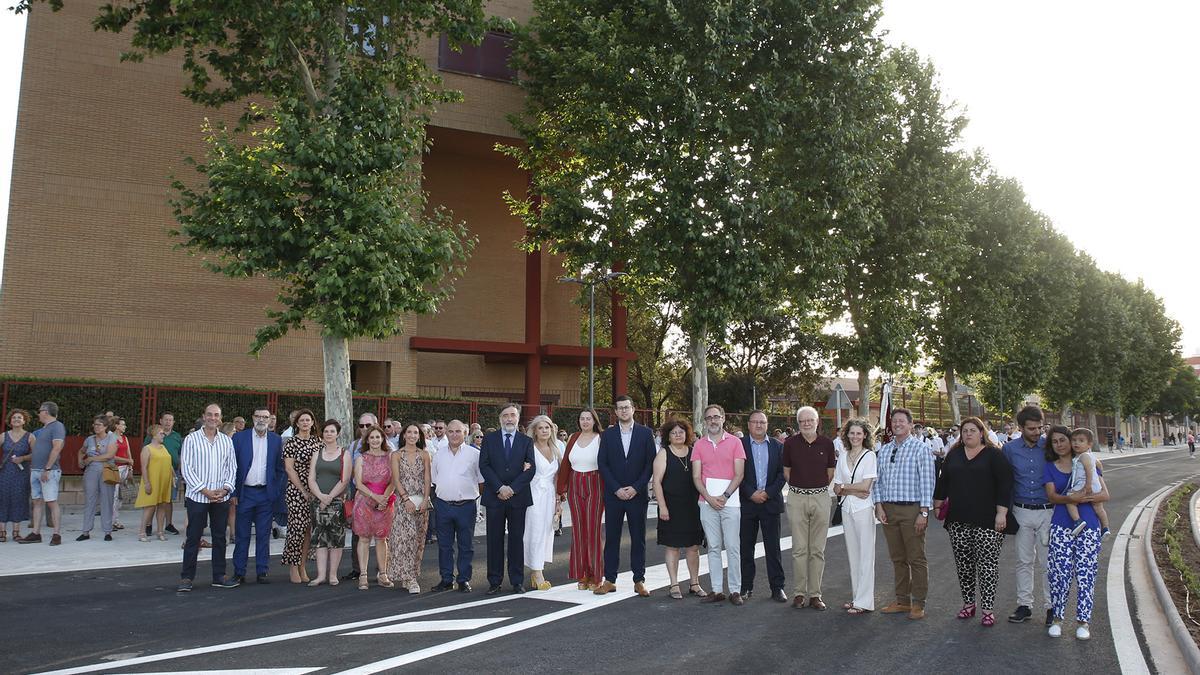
(1034, 507)
(459, 502)
(261, 487)
(903, 503)
(807, 491)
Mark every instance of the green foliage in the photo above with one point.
(1182, 394)
(423, 411)
(188, 405)
(1176, 529)
(77, 405)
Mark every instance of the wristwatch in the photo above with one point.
(924, 514)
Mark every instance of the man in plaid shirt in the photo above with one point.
(903, 495)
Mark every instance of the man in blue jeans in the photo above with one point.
(455, 473)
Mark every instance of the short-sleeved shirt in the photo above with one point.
(173, 442)
(849, 474)
(716, 460)
(44, 443)
(808, 464)
(456, 474)
(1062, 483)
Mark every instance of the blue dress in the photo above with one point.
(14, 480)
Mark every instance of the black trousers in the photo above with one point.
(216, 516)
(514, 518)
(752, 520)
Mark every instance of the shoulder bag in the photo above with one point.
(836, 518)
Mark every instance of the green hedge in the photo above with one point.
(423, 411)
(78, 404)
(188, 404)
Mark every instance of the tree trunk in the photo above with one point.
(864, 392)
(1091, 424)
(339, 403)
(1136, 432)
(699, 355)
(951, 386)
(1065, 417)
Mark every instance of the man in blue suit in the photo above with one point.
(506, 463)
(762, 504)
(260, 482)
(626, 457)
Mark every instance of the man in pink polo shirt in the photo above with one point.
(718, 462)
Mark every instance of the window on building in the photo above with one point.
(488, 60)
(371, 376)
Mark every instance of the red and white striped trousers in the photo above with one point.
(585, 496)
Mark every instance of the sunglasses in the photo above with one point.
(365, 426)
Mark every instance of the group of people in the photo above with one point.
(394, 483)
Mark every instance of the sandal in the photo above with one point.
(4, 537)
(142, 537)
(967, 611)
(315, 582)
(675, 592)
(162, 537)
(383, 580)
(848, 605)
(697, 590)
(333, 580)
(204, 544)
(989, 619)
(856, 610)
(362, 582)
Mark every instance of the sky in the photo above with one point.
(1090, 105)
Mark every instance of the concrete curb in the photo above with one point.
(1183, 639)
(1195, 518)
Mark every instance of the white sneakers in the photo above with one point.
(1081, 633)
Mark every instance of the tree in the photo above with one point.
(1152, 361)
(691, 144)
(1181, 396)
(886, 289)
(319, 184)
(778, 350)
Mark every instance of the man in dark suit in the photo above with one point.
(506, 463)
(762, 505)
(260, 482)
(626, 457)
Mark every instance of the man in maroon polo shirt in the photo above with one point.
(808, 463)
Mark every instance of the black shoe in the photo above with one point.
(464, 587)
(443, 586)
(778, 595)
(185, 586)
(171, 529)
(108, 537)
(238, 579)
(274, 532)
(352, 576)
(228, 583)
(1049, 617)
(518, 588)
(558, 532)
(493, 590)
(1021, 615)
(747, 594)
(262, 579)
(83, 537)
(148, 530)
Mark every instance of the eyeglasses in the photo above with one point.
(365, 426)
(713, 418)
(262, 417)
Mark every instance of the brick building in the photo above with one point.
(93, 288)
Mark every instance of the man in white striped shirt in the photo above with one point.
(209, 468)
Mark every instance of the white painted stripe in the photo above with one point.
(430, 626)
(246, 671)
(1129, 650)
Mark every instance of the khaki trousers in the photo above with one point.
(808, 516)
(907, 551)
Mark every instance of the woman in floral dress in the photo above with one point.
(297, 454)
(373, 506)
(410, 480)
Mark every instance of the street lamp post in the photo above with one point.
(591, 282)
(1000, 369)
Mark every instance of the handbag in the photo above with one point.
(348, 510)
(944, 509)
(836, 518)
(112, 475)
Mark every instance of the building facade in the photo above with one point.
(94, 286)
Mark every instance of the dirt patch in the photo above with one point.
(1187, 601)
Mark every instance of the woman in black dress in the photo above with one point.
(678, 505)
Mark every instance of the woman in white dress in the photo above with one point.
(856, 470)
(539, 518)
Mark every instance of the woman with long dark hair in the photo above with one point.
(579, 479)
(977, 480)
(298, 451)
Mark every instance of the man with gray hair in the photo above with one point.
(45, 473)
(808, 463)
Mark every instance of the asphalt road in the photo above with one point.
(131, 621)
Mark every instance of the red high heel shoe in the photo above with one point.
(967, 611)
(989, 619)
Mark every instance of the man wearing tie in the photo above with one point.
(762, 505)
(506, 463)
(260, 480)
(625, 460)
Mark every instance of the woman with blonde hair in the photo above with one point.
(539, 518)
(157, 475)
(852, 479)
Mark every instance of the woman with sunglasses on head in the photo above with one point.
(977, 480)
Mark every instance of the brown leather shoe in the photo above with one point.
(818, 604)
(798, 602)
(713, 597)
(55, 540)
(640, 589)
(606, 587)
(896, 608)
(916, 613)
(736, 599)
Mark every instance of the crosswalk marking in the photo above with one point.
(430, 626)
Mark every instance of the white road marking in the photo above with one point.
(1129, 650)
(430, 626)
(246, 671)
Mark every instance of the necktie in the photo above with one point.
(507, 447)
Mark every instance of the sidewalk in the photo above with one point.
(1131, 452)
